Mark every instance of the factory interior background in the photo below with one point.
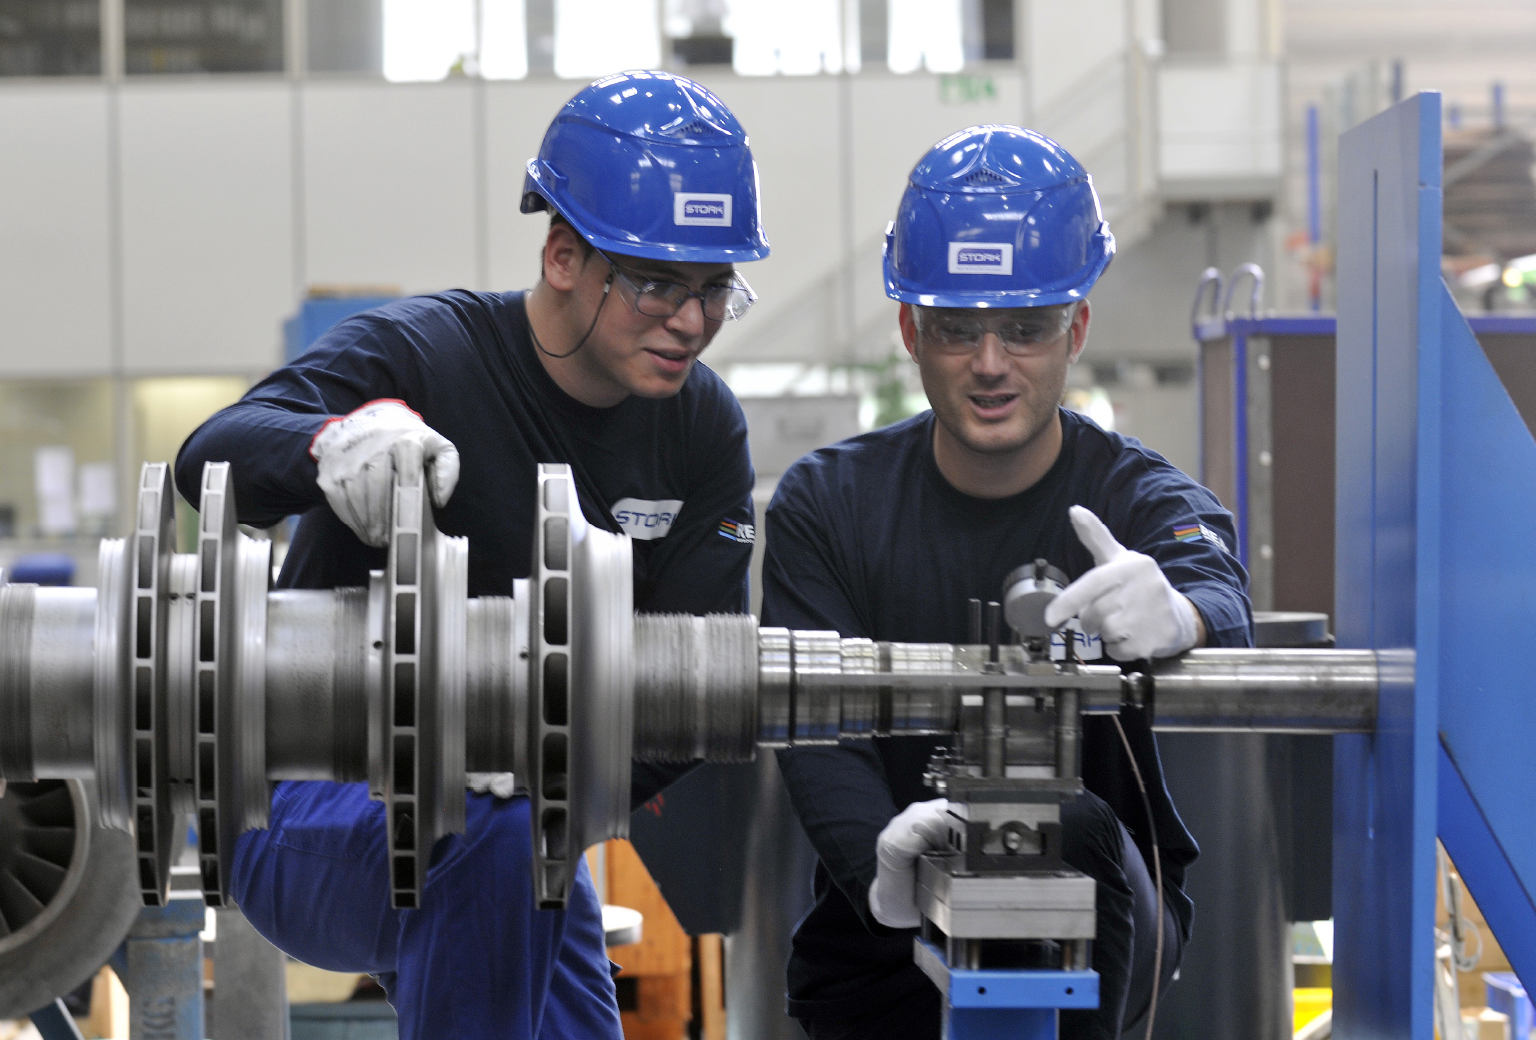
(191, 191)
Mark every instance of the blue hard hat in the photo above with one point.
(996, 216)
(653, 165)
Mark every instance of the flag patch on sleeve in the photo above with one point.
(737, 532)
(1198, 533)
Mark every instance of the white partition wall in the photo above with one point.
(389, 185)
(55, 279)
(207, 226)
(516, 115)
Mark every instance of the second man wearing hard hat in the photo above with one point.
(996, 244)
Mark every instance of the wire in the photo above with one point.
(1157, 867)
(607, 284)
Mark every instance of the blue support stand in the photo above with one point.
(990, 1004)
(161, 965)
(1434, 561)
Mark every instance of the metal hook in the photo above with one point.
(1253, 271)
(1210, 276)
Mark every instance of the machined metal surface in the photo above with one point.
(52, 636)
(1290, 628)
(696, 687)
(496, 686)
(152, 546)
(316, 722)
(1267, 691)
(1026, 594)
(1045, 905)
(602, 688)
(426, 586)
(184, 684)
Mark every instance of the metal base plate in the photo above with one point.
(1053, 905)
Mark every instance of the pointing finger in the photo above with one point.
(1082, 592)
(1094, 535)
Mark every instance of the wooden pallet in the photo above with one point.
(656, 986)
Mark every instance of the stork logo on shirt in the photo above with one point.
(1199, 532)
(738, 532)
(700, 209)
(646, 520)
(980, 258)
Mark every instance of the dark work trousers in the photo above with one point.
(1096, 843)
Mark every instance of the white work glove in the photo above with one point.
(498, 784)
(919, 828)
(1125, 599)
(357, 455)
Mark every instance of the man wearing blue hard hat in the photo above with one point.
(995, 246)
(652, 194)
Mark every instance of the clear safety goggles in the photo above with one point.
(723, 302)
(1021, 331)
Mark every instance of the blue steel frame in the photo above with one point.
(1010, 1005)
(1436, 570)
(1243, 329)
(1436, 485)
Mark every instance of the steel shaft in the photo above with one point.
(185, 685)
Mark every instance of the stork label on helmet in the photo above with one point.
(698, 209)
(981, 258)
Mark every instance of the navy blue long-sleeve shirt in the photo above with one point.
(673, 472)
(867, 538)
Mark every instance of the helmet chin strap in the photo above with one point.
(607, 284)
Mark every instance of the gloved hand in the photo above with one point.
(915, 830)
(498, 784)
(357, 455)
(1125, 599)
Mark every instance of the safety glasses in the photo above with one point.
(727, 302)
(1022, 331)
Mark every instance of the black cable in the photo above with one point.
(534, 401)
(607, 284)
(1157, 866)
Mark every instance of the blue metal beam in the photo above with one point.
(1388, 568)
(1486, 600)
(1484, 865)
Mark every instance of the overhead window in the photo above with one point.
(597, 37)
(792, 37)
(926, 34)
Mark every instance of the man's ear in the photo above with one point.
(908, 323)
(1079, 330)
(564, 257)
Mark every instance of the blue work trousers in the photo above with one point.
(477, 961)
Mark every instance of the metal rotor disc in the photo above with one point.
(154, 544)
